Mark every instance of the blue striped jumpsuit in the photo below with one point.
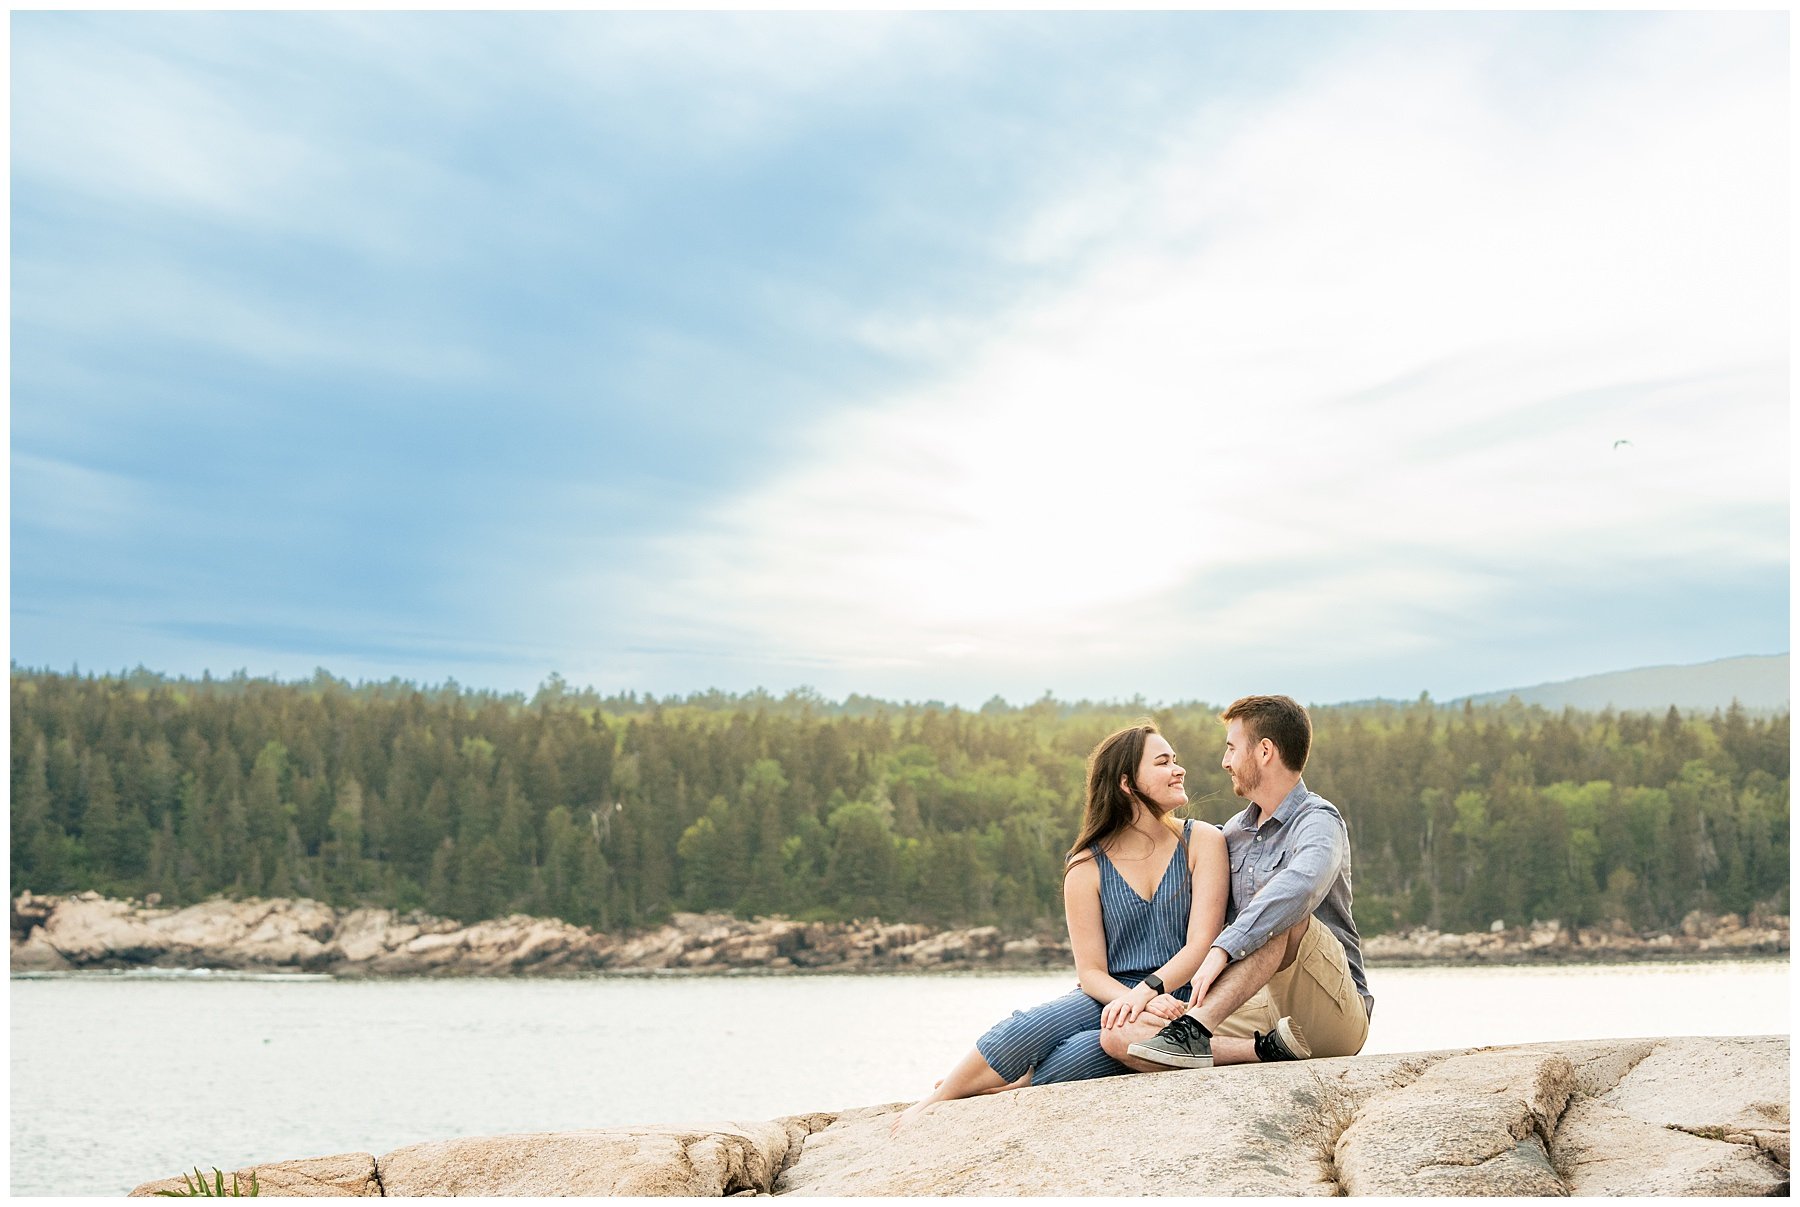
(1060, 1040)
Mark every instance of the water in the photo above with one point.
(121, 1078)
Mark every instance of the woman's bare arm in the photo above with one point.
(1211, 879)
(1087, 932)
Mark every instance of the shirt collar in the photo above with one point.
(1290, 802)
(1282, 813)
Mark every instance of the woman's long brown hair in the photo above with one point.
(1110, 801)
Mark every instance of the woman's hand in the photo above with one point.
(1122, 1010)
(1166, 1005)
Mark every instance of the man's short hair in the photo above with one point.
(1279, 719)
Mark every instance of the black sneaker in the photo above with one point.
(1285, 1041)
(1184, 1044)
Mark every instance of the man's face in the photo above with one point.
(1240, 760)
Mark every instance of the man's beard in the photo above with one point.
(1247, 781)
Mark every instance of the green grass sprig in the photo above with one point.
(198, 1187)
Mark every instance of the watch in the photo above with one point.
(1154, 981)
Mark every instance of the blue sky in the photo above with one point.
(918, 355)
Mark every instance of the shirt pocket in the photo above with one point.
(1260, 862)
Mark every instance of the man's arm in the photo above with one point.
(1314, 857)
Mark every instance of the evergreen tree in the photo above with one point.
(764, 792)
(860, 876)
(613, 811)
(34, 834)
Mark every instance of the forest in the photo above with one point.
(611, 812)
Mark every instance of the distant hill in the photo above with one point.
(1758, 682)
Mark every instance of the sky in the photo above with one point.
(922, 356)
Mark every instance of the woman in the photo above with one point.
(1145, 897)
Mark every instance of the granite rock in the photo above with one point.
(1475, 1124)
(1603, 1151)
(88, 931)
(1690, 1117)
(1525, 1120)
(346, 1175)
(652, 1161)
(37, 954)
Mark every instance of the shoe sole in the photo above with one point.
(1158, 1056)
(1289, 1036)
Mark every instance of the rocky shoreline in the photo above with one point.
(86, 931)
(1700, 936)
(1625, 1117)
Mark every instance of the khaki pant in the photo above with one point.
(1316, 991)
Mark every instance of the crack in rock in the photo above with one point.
(1707, 1117)
(1685, 1117)
(800, 1129)
(1770, 1147)
(1337, 1109)
(1471, 1123)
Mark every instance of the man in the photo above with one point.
(1289, 957)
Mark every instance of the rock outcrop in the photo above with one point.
(86, 930)
(1694, 1116)
(723, 1159)
(1700, 935)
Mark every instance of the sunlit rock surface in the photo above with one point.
(1691, 1116)
(691, 1161)
(345, 1175)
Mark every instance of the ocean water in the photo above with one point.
(117, 1079)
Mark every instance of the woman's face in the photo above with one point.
(1159, 777)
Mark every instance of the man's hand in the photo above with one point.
(1209, 971)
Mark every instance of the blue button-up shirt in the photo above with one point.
(1294, 862)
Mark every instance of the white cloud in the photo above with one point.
(187, 303)
(72, 500)
(1406, 307)
(210, 154)
(728, 82)
(111, 119)
(368, 138)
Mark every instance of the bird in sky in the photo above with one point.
(1617, 443)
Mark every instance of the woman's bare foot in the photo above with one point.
(972, 1075)
(911, 1114)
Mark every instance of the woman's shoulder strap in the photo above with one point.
(1191, 848)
